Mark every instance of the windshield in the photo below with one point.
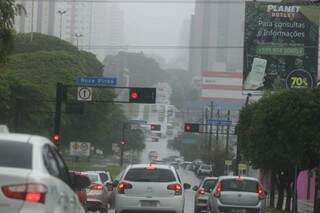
(94, 178)
(150, 175)
(239, 185)
(209, 184)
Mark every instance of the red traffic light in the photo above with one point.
(134, 95)
(191, 127)
(142, 95)
(56, 138)
(155, 127)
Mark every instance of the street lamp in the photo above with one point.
(78, 35)
(61, 13)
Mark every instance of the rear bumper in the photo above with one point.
(219, 207)
(94, 204)
(125, 204)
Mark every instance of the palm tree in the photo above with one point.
(8, 10)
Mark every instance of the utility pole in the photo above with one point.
(61, 13)
(228, 136)
(122, 144)
(210, 133)
(217, 131)
(32, 15)
(236, 171)
(206, 126)
(78, 35)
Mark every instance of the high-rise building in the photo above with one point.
(40, 17)
(218, 29)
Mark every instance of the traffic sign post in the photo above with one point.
(84, 94)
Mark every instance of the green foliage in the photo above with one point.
(27, 90)
(8, 11)
(282, 130)
(41, 42)
(143, 71)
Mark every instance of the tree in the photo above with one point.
(8, 11)
(280, 131)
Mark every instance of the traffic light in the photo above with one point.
(56, 138)
(155, 127)
(191, 127)
(142, 95)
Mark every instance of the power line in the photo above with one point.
(126, 47)
(151, 1)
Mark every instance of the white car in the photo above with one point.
(237, 194)
(33, 177)
(148, 187)
(205, 170)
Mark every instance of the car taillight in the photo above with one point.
(122, 186)
(98, 187)
(261, 192)
(218, 190)
(32, 192)
(201, 191)
(176, 187)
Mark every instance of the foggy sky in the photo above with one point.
(155, 24)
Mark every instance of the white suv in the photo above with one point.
(33, 177)
(148, 187)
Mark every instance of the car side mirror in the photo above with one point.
(195, 188)
(186, 186)
(115, 183)
(109, 186)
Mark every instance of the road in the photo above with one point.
(186, 177)
(160, 147)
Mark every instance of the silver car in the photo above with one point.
(235, 194)
(150, 188)
(100, 193)
(206, 185)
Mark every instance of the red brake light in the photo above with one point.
(218, 190)
(175, 187)
(98, 187)
(201, 191)
(122, 186)
(33, 193)
(261, 192)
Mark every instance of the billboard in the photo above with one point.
(280, 46)
(224, 86)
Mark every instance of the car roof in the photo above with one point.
(237, 177)
(23, 138)
(158, 166)
(210, 178)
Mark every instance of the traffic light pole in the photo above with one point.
(59, 99)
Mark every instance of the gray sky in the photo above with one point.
(155, 24)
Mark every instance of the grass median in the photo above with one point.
(272, 210)
(91, 166)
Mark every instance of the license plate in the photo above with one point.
(149, 203)
(238, 211)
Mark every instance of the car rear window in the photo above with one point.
(209, 184)
(206, 167)
(150, 175)
(239, 185)
(15, 154)
(93, 178)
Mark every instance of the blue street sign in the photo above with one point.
(97, 81)
(217, 122)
